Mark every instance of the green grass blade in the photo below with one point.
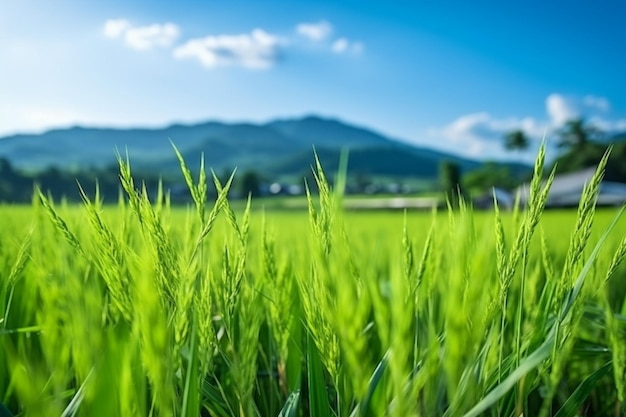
(214, 400)
(525, 366)
(578, 397)
(318, 396)
(290, 409)
(191, 394)
(29, 329)
(342, 173)
(362, 409)
(543, 352)
(73, 406)
(186, 172)
(4, 412)
(596, 250)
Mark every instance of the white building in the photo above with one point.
(567, 189)
(503, 198)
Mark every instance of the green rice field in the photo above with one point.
(144, 309)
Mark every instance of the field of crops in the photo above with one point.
(143, 309)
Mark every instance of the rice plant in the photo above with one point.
(145, 309)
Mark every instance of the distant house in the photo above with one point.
(486, 201)
(567, 189)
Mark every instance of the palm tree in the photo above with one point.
(576, 134)
(516, 140)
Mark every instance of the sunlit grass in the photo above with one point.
(143, 309)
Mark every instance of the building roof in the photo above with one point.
(566, 190)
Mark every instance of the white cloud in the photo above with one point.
(322, 30)
(147, 37)
(595, 102)
(256, 50)
(343, 45)
(114, 28)
(618, 125)
(481, 135)
(315, 31)
(466, 131)
(561, 108)
(340, 45)
(608, 126)
(484, 127)
(142, 37)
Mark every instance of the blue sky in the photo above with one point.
(453, 75)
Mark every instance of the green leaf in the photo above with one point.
(77, 399)
(342, 173)
(362, 408)
(215, 401)
(293, 364)
(186, 173)
(29, 329)
(318, 397)
(191, 395)
(578, 397)
(290, 409)
(526, 365)
(4, 412)
(543, 352)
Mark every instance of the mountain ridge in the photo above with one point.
(260, 146)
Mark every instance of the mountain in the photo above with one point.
(81, 146)
(327, 132)
(280, 147)
(390, 161)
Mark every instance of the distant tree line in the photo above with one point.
(585, 144)
(17, 186)
(582, 145)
